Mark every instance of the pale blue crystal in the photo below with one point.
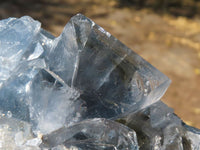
(16, 35)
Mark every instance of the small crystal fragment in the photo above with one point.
(15, 134)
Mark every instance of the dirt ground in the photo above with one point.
(171, 44)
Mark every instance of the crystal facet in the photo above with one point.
(16, 36)
(93, 134)
(65, 92)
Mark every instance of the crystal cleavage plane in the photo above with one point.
(75, 91)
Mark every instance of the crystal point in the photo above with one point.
(90, 59)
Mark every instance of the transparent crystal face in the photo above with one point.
(112, 79)
(55, 91)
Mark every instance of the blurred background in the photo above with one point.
(164, 32)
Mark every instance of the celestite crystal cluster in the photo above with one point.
(83, 90)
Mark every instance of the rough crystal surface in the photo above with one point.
(55, 92)
(158, 128)
(17, 135)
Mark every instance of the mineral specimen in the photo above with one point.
(67, 92)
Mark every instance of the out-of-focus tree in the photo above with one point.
(176, 7)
